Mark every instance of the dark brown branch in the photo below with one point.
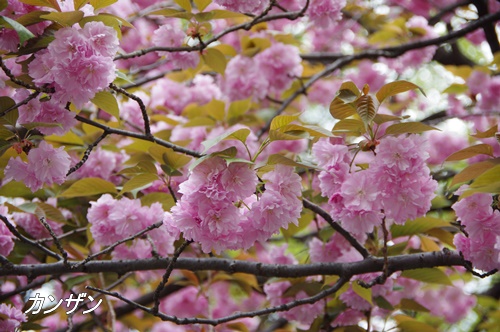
(22, 83)
(86, 154)
(143, 137)
(336, 226)
(24, 239)
(117, 243)
(166, 275)
(200, 47)
(145, 117)
(283, 307)
(368, 265)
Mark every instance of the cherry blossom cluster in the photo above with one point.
(219, 209)
(481, 224)
(113, 220)
(271, 71)
(78, 63)
(397, 185)
(46, 165)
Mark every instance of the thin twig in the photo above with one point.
(315, 208)
(56, 240)
(166, 275)
(86, 154)
(143, 137)
(24, 239)
(145, 116)
(117, 243)
(283, 307)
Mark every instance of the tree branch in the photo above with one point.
(370, 264)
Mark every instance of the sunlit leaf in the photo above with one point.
(408, 128)
(23, 33)
(88, 187)
(383, 118)
(107, 102)
(66, 19)
(139, 181)
(489, 177)
(470, 152)
(80, 3)
(202, 4)
(340, 110)
(417, 226)
(429, 275)
(240, 135)
(44, 3)
(415, 326)
(97, 4)
(473, 171)
(166, 200)
(215, 59)
(282, 120)
(184, 4)
(50, 212)
(409, 304)
(394, 88)
(349, 126)
(365, 293)
(367, 107)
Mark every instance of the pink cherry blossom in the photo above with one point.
(243, 6)
(325, 12)
(46, 165)
(280, 64)
(13, 317)
(242, 79)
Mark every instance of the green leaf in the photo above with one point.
(394, 88)
(314, 131)
(44, 3)
(280, 159)
(17, 189)
(276, 135)
(49, 212)
(139, 181)
(170, 12)
(429, 275)
(238, 108)
(98, 4)
(365, 293)
(340, 110)
(417, 226)
(310, 287)
(80, 3)
(282, 120)
(409, 304)
(66, 19)
(470, 152)
(351, 127)
(107, 102)
(88, 187)
(408, 128)
(23, 33)
(202, 4)
(3, 4)
(415, 326)
(184, 4)
(240, 135)
(348, 92)
(491, 176)
(367, 107)
(473, 171)
(73, 281)
(143, 166)
(215, 59)
(383, 118)
(6, 134)
(166, 200)
(174, 159)
(223, 14)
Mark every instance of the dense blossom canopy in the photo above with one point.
(248, 165)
